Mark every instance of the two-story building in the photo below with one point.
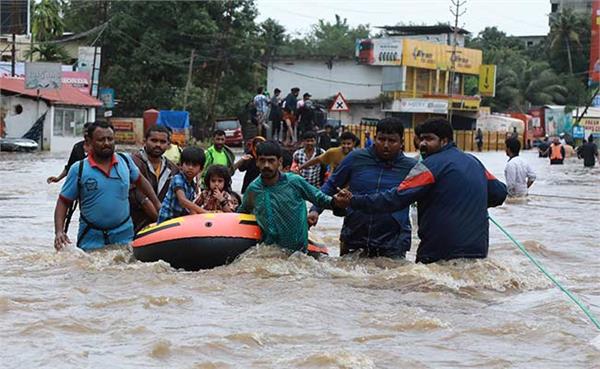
(406, 74)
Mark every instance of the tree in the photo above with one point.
(49, 52)
(328, 39)
(564, 33)
(47, 22)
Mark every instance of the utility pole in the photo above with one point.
(188, 84)
(455, 10)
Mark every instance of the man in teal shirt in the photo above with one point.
(219, 153)
(278, 201)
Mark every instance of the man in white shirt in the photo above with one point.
(261, 103)
(519, 175)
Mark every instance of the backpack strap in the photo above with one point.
(90, 225)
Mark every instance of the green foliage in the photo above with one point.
(47, 22)
(49, 52)
(327, 39)
(553, 73)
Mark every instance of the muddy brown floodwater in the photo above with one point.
(106, 310)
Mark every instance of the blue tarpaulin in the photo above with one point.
(176, 120)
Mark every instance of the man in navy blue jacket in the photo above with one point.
(369, 171)
(453, 191)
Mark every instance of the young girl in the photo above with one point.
(216, 198)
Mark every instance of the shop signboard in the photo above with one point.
(43, 76)
(410, 105)
(379, 51)
(428, 55)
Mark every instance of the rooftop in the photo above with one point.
(65, 95)
(421, 30)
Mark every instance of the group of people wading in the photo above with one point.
(372, 188)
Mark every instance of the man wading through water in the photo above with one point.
(101, 183)
(157, 169)
(453, 191)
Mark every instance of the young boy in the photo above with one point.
(179, 200)
(278, 201)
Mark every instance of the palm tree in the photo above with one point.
(47, 20)
(49, 52)
(563, 30)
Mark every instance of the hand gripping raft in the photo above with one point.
(202, 241)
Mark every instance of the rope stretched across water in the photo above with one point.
(573, 298)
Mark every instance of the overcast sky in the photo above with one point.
(515, 17)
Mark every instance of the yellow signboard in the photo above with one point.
(465, 104)
(429, 55)
(487, 80)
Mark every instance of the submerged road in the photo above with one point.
(104, 309)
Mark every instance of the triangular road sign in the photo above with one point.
(339, 103)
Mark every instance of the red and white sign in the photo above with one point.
(79, 80)
(339, 103)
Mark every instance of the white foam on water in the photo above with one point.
(596, 343)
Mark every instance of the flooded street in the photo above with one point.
(106, 310)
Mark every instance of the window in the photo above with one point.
(69, 122)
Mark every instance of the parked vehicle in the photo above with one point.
(233, 130)
(18, 144)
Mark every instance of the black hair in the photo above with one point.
(259, 90)
(276, 90)
(160, 129)
(85, 128)
(439, 127)
(288, 159)
(513, 145)
(219, 171)
(418, 129)
(348, 136)
(192, 155)
(591, 138)
(268, 148)
(390, 126)
(308, 135)
(295, 89)
(92, 127)
(218, 132)
(237, 197)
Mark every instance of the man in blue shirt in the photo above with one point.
(369, 171)
(101, 183)
(453, 191)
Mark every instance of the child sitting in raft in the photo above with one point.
(183, 189)
(216, 198)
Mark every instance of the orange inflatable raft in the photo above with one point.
(202, 241)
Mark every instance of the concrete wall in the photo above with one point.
(18, 124)
(315, 77)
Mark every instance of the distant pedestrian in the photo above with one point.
(289, 116)
(556, 152)
(305, 115)
(479, 139)
(543, 148)
(261, 103)
(518, 174)
(589, 153)
(276, 115)
(368, 140)
(77, 153)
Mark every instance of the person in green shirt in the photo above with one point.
(219, 153)
(278, 201)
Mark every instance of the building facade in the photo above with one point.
(66, 110)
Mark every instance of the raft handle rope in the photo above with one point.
(573, 298)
